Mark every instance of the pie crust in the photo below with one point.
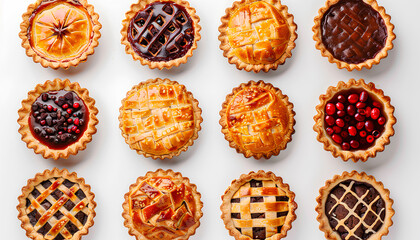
(380, 142)
(348, 23)
(159, 118)
(258, 206)
(71, 24)
(358, 187)
(258, 44)
(29, 136)
(265, 124)
(182, 6)
(45, 202)
(162, 205)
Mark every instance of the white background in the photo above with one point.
(109, 165)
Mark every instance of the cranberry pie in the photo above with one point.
(353, 33)
(257, 34)
(56, 205)
(60, 33)
(354, 206)
(161, 34)
(355, 120)
(57, 119)
(257, 120)
(258, 206)
(162, 205)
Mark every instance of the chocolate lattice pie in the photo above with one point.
(56, 205)
(353, 33)
(162, 205)
(354, 206)
(258, 206)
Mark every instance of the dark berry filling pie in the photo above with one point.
(163, 31)
(58, 118)
(354, 119)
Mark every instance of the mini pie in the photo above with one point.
(354, 206)
(258, 206)
(159, 118)
(57, 119)
(60, 33)
(257, 34)
(56, 205)
(161, 34)
(162, 205)
(354, 120)
(353, 33)
(257, 119)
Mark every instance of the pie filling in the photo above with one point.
(355, 210)
(353, 32)
(354, 119)
(60, 30)
(258, 33)
(57, 208)
(163, 31)
(58, 118)
(259, 209)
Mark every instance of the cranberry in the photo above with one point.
(330, 109)
(359, 117)
(337, 129)
(381, 120)
(69, 120)
(361, 111)
(360, 125)
(76, 121)
(367, 111)
(339, 122)
(330, 131)
(50, 108)
(55, 109)
(69, 111)
(65, 106)
(351, 110)
(353, 98)
(362, 134)
(42, 122)
(374, 114)
(369, 126)
(340, 106)
(60, 132)
(376, 134)
(77, 131)
(344, 134)
(341, 98)
(76, 105)
(329, 120)
(337, 138)
(354, 144)
(363, 96)
(345, 146)
(341, 113)
(360, 105)
(370, 138)
(69, 130)
(347, 118)
(74, 128)
(352, 131)
(377, 104)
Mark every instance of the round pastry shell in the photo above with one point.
(368, 63)
(39, 178)
(25, 111)
(65, 64)
(134, 9)
(380, 143)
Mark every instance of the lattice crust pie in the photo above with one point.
(354, 206)
(161, 34)
(57, 119)
(162, 205)
(354, 120)
(257, 119)
(60, 33)
(56, 205)
(258, 206)
(159, 118)
(257, 35)
(353, 33)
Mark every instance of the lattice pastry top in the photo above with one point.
(258, 206)
(162, 205)
(56, 205)
(257, 119)
(354, 207)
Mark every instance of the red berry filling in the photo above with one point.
(354, 119)
(58, 118)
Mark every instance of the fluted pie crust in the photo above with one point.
(362, 177)
(162, 205)
(76, 20)
(267, 44)
(257, 119)
(134, 9)
(68, 194)
(274, 194)
(25, 112)
(367, 63)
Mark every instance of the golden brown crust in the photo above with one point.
(324, 224)
(180, 142)
(228, 51)
(177, 179)
(335, 149)
(134, 9)
(39, 178)
(368, 63)
(278, 115)
(25, 111)
(245, 178)
(65, 63)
